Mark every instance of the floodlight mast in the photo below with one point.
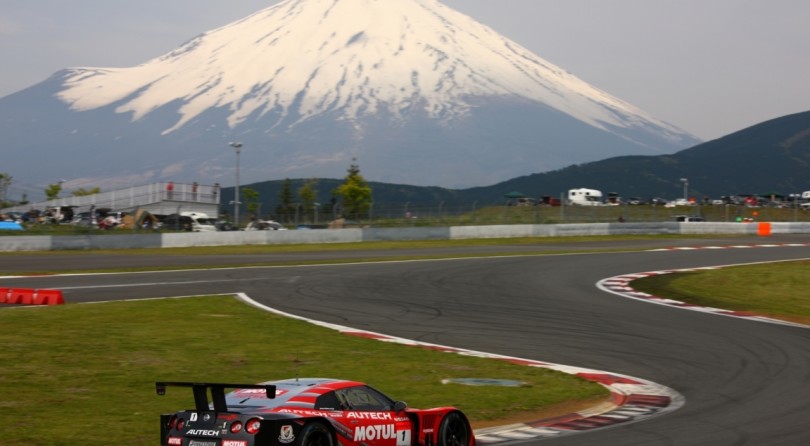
(238, 147)
(685, 182)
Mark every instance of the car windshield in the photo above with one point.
(363, 398)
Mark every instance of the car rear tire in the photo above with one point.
(316, 434)
(454, 430)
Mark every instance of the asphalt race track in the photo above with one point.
(745, 383)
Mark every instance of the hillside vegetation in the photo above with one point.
(771, 157)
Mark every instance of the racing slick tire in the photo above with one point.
(316, 434)
(454, 430)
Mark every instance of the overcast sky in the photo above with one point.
(711, 67)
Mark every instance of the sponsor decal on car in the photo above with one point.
(203, 433)
(315, 413)
(378, 432)
(202, 443)
(174, 441)
(286, 435)
(370, 415)
(256, 393)
(234, 443)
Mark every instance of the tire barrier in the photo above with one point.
(30, 296)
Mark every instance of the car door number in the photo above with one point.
(404, 437)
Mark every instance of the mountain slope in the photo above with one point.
(773, 156)
(418, 92)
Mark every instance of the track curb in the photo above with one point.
(621, 286)
(632, 399)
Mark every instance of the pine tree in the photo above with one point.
(355, 193)
(285, 198)
(251, 198)
(308, 194)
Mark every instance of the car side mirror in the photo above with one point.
(399, 406)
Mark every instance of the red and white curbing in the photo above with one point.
(632, 399)
(759, 245)
(620, 285)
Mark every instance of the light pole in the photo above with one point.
(238, 147)
(685, 182)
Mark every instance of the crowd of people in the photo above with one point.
(52, 215)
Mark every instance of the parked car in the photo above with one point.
(224, 225)
(679, 202)
(200, 221)
(343, 223)
(189, 221)
(177, 222)
(548, 200)
(688, 218)
(16, 217)
(307, 412)
(265, 225)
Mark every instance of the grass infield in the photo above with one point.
(84, 374)
(777, 290)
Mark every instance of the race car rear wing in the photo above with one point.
(200, 390)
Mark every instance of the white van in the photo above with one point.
(200, 221)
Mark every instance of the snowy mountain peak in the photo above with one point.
(302, 58)
(419, 93)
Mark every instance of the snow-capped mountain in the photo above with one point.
(415, 91)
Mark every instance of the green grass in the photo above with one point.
(84, 374)
(778, 290)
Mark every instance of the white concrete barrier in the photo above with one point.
(25, 243)
(231, 238)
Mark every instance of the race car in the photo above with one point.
(307, 412)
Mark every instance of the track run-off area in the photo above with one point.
(735, 380)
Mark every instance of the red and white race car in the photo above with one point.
(307, 412)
